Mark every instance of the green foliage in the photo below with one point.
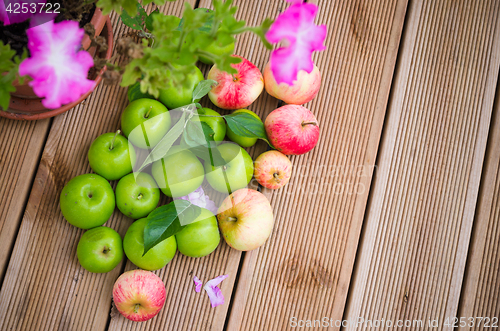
(130, 6)
(167, 220)
(203, 88)
(246, 125)
(9, 64)
(178, 44)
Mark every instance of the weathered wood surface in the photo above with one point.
(419, 218)
(21, 144)
(304, 270)
(414, 246)
(481, 287)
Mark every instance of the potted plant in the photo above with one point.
(32, 36)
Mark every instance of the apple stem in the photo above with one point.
(309, 123)
(113, 141)
(136, 308)
(277, 177)
(149, 111)
(139, 197)
(232, 219)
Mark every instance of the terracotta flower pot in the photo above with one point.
(26, 105)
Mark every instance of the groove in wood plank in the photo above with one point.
(304, 270)
(184, 308)
(418, 224)
(45, 288)
(21, 145)
(481, 288)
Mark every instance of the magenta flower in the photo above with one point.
(58, 69)
(16, 11)
(200, 199)
(198, 284)
(295, 27)
(214, 292)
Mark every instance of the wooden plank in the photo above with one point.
(45, 288)
(185, 309)
(418, 223)
(21, 145)
(304, 270)
(481, 288)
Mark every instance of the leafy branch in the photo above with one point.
(180, 43)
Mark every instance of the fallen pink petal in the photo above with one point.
(200, 199)
(214, 292)
(198, 284)
(57, 68)
(300, 36)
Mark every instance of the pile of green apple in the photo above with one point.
(244, 218)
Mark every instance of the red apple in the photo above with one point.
(245, 219)
(139, 295)
(292, 129)
(272, 169)
(303, 90)
(239, 90)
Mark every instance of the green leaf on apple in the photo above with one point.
(162, 148)
(167, 220)
(246, 125)
(199, 136)
(203, 88)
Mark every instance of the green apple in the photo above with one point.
(178, 173)
(242, 141)
(201, 237)
(238, 169)
(111, 156)
(157, 257)
(137, 195)
(151, 119)
(100, 249)
(217, 124)
(175, 97)
(87, 201)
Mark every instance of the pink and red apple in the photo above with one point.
(303, 90)
(272, 169)
(292, 129)
(245, 219)
(139, 295)
(239, 90)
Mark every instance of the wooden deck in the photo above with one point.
(395, 215)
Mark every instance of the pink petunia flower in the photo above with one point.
(200, 199)
(214, 292)
(58, 69)
(295, 27)
(198, 284)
